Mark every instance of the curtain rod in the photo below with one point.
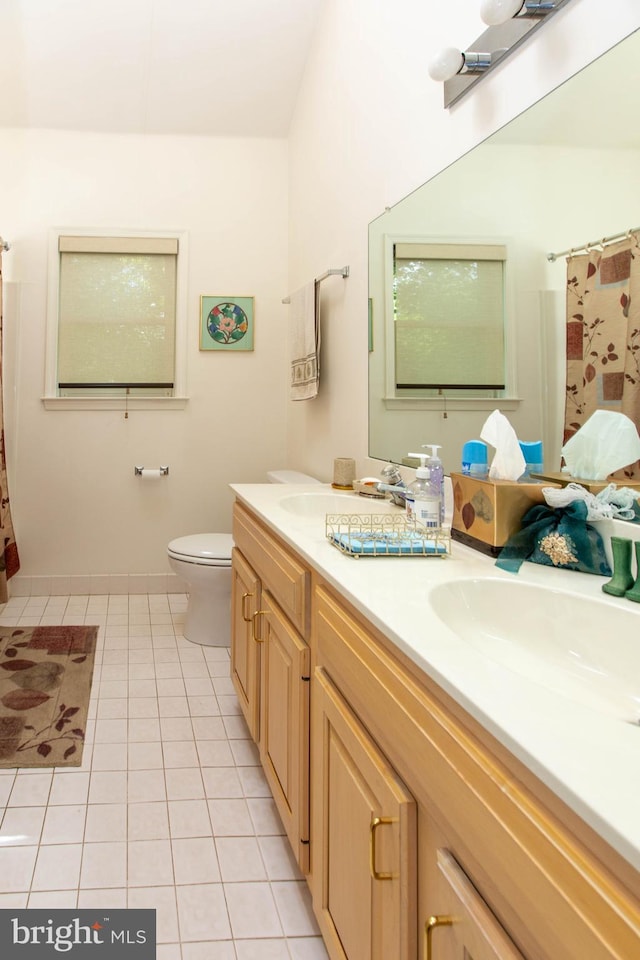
(334, 272)
(592, 243)
(4, 245)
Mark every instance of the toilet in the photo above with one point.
(203, 562)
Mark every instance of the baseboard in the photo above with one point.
(97, 584)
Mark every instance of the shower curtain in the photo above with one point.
(9, 561)
(603, 336)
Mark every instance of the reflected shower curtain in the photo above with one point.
(9, 561)
(603, 336)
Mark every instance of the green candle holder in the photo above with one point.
(622, 579)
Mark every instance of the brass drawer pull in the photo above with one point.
(375, 823)
(245, 597)
(254, 628)
(429, 927)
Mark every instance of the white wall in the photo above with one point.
(369, 128)
(77, 507)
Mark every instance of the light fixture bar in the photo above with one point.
(498, 41)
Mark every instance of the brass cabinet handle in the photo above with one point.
(245, 597)
(375, 823)
(429, 927)
(254, 628)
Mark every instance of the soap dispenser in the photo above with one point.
(436, 470)
(423, 500)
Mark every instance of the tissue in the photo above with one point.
(508, 462)
(607, 442)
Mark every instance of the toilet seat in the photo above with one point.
(205, 549)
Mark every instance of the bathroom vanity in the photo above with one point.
(442, 802)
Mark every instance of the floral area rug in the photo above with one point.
(45, 682)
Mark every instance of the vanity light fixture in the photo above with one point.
(451, 61)
(494, 12)
(510, 22)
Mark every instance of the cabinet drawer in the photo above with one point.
(278, 569)
(463, 925)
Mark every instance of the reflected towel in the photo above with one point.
(305, 342)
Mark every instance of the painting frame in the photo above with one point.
(227, 324)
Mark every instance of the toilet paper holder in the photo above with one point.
(140, 471)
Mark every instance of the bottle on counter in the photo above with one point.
(436, 471)
(423, 498)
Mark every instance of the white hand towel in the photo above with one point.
(305, 342)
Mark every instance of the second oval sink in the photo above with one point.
(578, 646)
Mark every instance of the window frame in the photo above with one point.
(395, 398)
(51, 399)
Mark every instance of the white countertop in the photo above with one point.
(589, 759)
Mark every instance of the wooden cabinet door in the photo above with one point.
(284, 723)
(245, 650)
(463, 928)
(364, 834)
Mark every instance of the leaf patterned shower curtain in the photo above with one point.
(603, 336)
(9, 560)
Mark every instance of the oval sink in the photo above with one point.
(317, 504)
(580, 647)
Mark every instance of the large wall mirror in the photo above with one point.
(563, 173)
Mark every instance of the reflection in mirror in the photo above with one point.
(561, 174)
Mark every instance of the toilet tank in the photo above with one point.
(289, 476)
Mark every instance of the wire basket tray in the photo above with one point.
(384, 535)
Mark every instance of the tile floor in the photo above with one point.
(169, 809)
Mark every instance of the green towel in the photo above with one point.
(556, 538)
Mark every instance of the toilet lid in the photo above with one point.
(203, 547)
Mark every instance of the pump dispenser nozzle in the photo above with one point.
(422, 472)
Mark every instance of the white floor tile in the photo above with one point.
(240, 859)
(64, 824)
(148, 821)
(106, 821)
(184, 784)
(163, 901)
(22, 826)
(189, 818)
(104, 865)
(31, 790)
(149, 863)
(202, 912)
(293, 901)
(195, 860)
(146, 785)
(262, 950)
(230, 818)
(57, 867)
(209, 950)
(252, 910)
(53, 899)
(179, 754)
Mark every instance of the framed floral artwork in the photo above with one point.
(226, 323)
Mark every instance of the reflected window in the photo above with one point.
(449, 318)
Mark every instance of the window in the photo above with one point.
(449, 319)
(116, 319)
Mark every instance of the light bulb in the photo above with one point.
(494, 12)
(446, 64)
